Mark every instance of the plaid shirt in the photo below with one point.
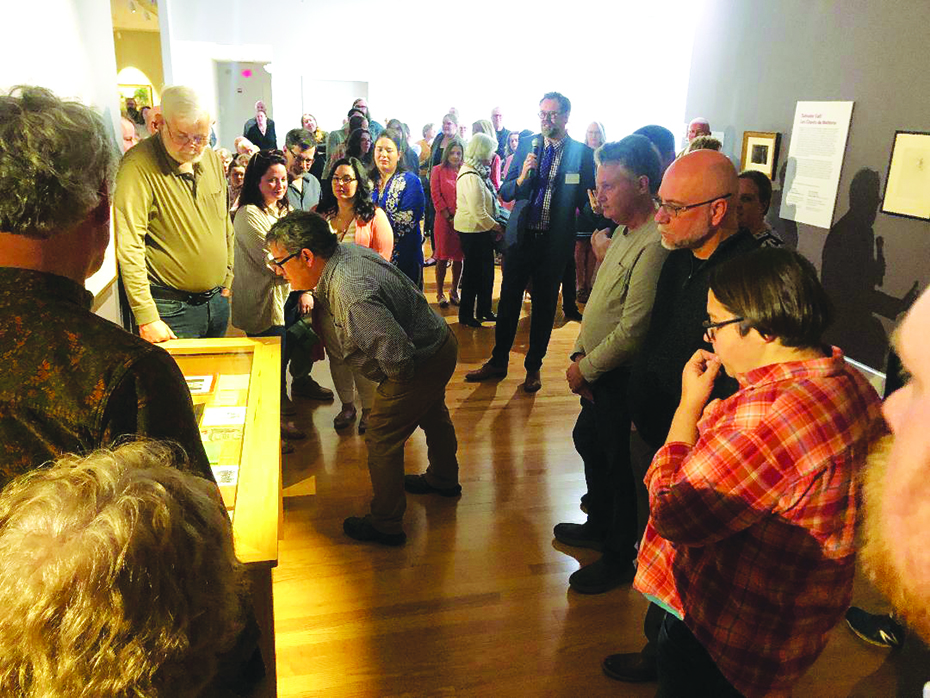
(751, 531)
(545, 219)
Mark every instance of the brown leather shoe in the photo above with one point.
(533, 382)
(486, 372)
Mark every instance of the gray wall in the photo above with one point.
(753, 60)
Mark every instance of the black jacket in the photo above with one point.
(675, 332)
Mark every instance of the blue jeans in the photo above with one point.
(190, 321)
(685, 668)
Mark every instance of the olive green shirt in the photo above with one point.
(617, 314)
(172, 229)
(73, 382)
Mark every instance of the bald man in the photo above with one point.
(697, 221)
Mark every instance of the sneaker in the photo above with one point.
(601, 576)
(310, 389)
(360, 528)
(877, 629)
(630, 667)
(417, 484)
(578, 536)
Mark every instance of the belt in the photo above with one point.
(172, 294)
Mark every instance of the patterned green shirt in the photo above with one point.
(73, 382)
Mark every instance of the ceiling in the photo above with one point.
(134, 15)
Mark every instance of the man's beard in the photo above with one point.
(896, 554)
(689, 243)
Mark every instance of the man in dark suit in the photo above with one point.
(549, 178)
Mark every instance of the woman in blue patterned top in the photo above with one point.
(400, 194)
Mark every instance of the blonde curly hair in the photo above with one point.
(117, 577)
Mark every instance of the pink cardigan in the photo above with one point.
(376, 234)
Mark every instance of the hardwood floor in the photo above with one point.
(477, 602)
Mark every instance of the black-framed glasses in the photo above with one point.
(549, 115)
(710, 328)
(347, 180)
(303, 159)
(271, 262)
(674, 210)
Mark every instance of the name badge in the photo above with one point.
(572, 178)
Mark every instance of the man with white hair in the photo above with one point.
(174, 235)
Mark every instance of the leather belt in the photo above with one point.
(172, 294)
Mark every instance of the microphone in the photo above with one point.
(532, 170)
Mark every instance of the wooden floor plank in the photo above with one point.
(477, 602)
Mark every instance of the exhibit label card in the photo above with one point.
(223, 416)
(815, 161)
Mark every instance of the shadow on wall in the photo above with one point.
(852, 271)
(786, 229)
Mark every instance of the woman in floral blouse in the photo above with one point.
(400, 194)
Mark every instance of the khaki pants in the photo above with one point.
(398, 410)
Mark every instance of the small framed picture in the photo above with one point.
(760, 152)
(907, 186)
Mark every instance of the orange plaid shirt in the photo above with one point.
(751, 531)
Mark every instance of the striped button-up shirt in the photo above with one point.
(384, 324)
(751, 531)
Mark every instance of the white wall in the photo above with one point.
(622, 63)
(67, 46)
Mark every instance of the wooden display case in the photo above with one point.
(236, 389)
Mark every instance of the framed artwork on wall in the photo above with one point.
(907, 185)
(760, 152)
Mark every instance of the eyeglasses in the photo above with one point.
(301, 158)
(710, 328)
(344, 180)
(674, 210)
(182, 138)
(272, 263)
(549, 115)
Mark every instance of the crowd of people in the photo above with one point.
(699, 328)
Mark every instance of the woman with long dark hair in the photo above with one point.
(354, 218)
(358, 146)
(400, 194)
(259, 293)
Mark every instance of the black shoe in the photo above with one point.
(601, 576)
(630, 667)
(876, 629)
(487, 317)
(572, 315)
(417, 484)
(361, 528)
(578, 536)
(470, 322)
